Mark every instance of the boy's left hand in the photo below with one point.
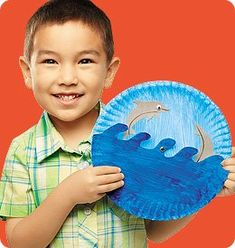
(229, 184)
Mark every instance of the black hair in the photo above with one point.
(61, 11)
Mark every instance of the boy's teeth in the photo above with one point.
(67, 98)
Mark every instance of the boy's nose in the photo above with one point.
(68, 75)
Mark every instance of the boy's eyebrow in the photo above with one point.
(84, 52)
(94, 52)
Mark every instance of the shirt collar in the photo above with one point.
(49, 140)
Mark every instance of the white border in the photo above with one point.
(232, 2)
(1, 2)
(233, 245)
(1, 245)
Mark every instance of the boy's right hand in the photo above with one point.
(91, 184)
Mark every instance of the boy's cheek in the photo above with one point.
(91, 77)
(44, 75)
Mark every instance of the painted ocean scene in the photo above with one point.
(169, 139)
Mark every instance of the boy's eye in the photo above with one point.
(85, 61)
(49, 61)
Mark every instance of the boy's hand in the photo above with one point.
(91, 184)
(229, 185)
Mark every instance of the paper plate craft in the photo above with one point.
(169, 139)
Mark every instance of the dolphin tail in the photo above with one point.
(128, 132)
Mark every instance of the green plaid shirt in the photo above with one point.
(36, 163)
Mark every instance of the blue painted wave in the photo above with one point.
(158, 187)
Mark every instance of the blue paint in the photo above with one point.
(158, 187)
(188, 107)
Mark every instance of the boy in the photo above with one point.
(49, 194)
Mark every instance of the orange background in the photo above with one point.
(186, 41)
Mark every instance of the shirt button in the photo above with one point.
(84, 165)
(87, 211)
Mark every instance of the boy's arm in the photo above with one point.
(39, 228)
(159, 231)
(84, 186)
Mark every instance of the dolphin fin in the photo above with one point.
(206, 148)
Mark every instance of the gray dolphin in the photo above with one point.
(143, 110)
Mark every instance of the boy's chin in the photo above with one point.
(67, 119)
(63, 117)
(73, 116)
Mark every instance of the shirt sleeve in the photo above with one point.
(16, 195)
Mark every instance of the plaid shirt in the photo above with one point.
(36, 163)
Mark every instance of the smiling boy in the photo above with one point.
(68, 71)
(49, 194)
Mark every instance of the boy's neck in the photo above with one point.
(76, 131)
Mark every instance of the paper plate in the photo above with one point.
(151, 131)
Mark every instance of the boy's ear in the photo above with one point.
(112, 69)
(25, 68)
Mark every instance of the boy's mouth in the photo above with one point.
(67, 97)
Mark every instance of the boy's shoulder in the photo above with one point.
(29, 135)
(22, 146)
(25, 138)
(36, 142)
(26, 135)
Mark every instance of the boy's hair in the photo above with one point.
(61, 11)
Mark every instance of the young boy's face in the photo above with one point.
(68, 69)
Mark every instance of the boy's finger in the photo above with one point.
(230, 168)
(102, 170)
(233, 151)
(231, 176)
(110, 187)
(229, 161)
(110, 178)
(230, 185)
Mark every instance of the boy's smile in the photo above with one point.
(68, 70)
(68, 98)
